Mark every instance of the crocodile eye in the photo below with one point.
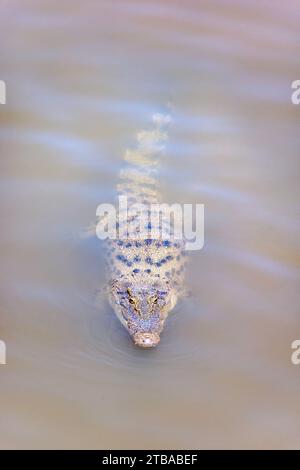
(130, 299)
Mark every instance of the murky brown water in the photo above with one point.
(82, 78)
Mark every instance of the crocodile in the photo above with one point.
(145, 271)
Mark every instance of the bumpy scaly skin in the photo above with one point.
(146, 273)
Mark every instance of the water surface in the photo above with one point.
(82, 78)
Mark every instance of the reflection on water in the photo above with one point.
(82, 78)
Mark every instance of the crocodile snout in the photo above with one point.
(146, 340)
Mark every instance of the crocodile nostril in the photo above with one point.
(146, 340)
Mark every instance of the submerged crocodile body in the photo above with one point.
(146, 271)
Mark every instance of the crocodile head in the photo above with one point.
(143, 310)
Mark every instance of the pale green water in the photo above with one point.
(82, 78)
